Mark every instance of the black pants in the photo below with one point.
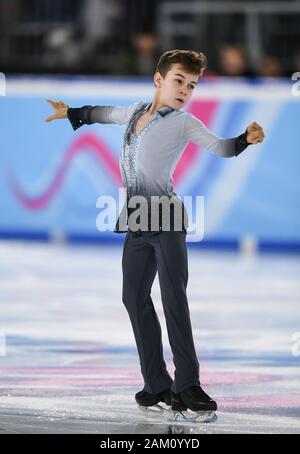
(166, 253)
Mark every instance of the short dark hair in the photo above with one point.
(194, 62)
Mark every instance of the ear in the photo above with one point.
(157, 79)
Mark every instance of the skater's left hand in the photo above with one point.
(255, 133)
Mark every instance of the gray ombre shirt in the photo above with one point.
(148, 159)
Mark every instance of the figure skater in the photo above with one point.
(156, 135)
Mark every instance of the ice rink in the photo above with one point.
(71, 364)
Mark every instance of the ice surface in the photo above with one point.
(71, 363)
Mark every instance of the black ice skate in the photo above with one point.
(145, 399)
(196, 400)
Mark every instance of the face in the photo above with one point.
(177, 87)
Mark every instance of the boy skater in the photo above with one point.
(157, 134)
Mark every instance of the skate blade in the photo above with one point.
(194, 417)
(155, 409)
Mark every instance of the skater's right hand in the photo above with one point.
(60, 110)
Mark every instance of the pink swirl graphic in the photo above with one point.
(86, 142)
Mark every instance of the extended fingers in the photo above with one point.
(52, 103)
(56, 104)
(50, 118)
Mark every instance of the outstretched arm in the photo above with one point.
(86, 115)
(195, 131)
